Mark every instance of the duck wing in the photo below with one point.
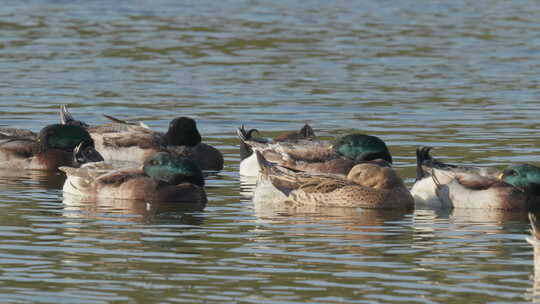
(125, 122)
(19, 142)
(120, 176)
(13, 133)
(143, 140)
(425, 164)
(287, 179)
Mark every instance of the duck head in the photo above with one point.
(523, 176)
(63, 137)
(375, 176)
(360, 147)
(69, 138)
(183, 132)
(83, 154)
(173, 170)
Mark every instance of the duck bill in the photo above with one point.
(88, 154)
(92, 155)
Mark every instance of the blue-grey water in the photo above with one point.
(462, 76)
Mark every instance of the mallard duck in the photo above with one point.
(163, 177)
(449, 186)
(306, 154)
(123, 141)
(55, 145)
(371, 185)
(534, 240)
(248, 161)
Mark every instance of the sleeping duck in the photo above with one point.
(534, 240)
(164, 177)
(371, 185)
(56, 145)
(443, 185)
(306, 154)
(123, 141)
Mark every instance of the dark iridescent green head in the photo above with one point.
(183, 132)
(64, 137)
(523, 176)
(360, 147)
(173, 170)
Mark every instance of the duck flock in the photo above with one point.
(122, 160)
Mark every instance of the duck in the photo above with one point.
(121, 141)
(534, 240)
(369, 185)
(54, 146)
(441, 185)
(248, 161)
(304, 153)
(163, 177)
(17, 132)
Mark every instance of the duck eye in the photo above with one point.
(154, 162)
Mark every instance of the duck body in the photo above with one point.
(54, 146)
(534, 240)
(121, 141)
(249, 165)
(304, 153)
(158, 180)
(441, 185)
(370, 185)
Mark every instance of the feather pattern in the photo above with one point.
(450, 186)
(122, 141)
(368, 185)
(248, 143)
(97, 181)
(300, 151)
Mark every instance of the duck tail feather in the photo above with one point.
(67, 119)
(307, 131)
(422, 158)
(535, 228)
(142, 124)
(65, 116)
(245, 149)
(264, 165)
(114, 119)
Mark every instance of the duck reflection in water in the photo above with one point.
(37, 179)
(163, 182)
(138, 211)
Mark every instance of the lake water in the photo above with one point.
(462, 76)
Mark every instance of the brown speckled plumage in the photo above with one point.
(367, 185)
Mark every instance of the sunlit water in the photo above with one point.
(458, 75)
